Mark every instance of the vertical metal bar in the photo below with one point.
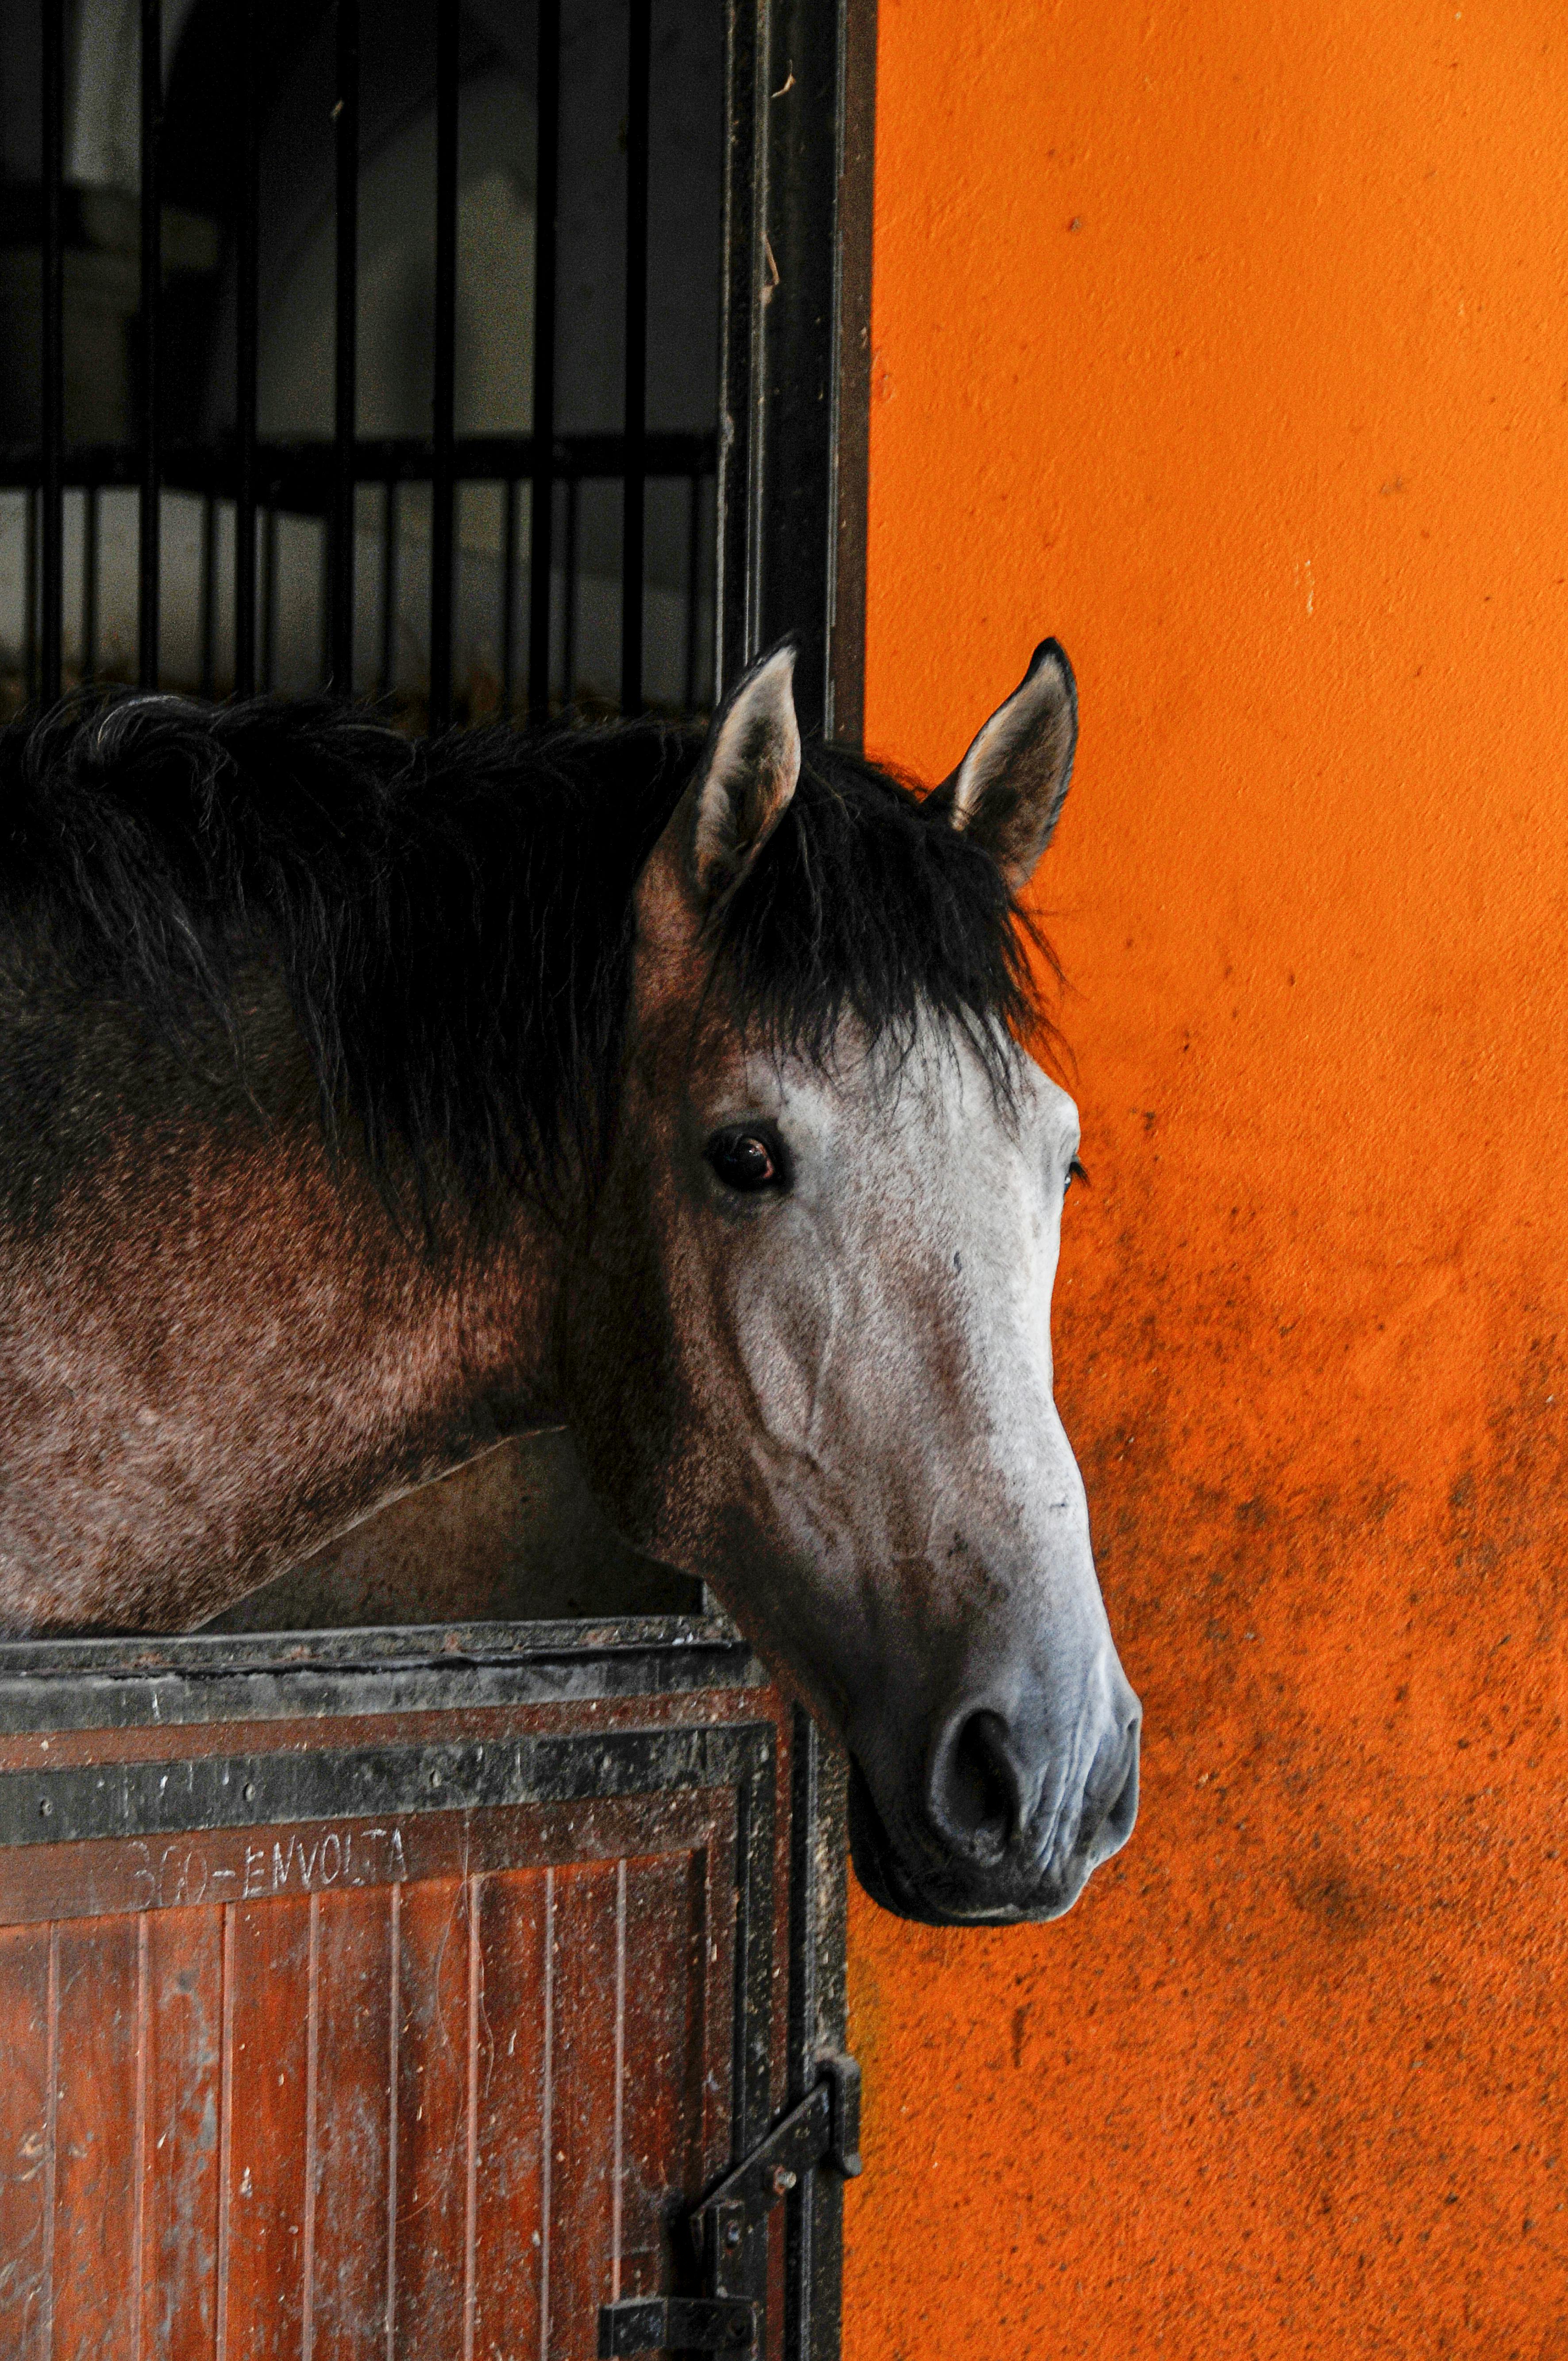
(269, 597)
(851, 430)
(541, 515)
(149, 550)
(323, 593)
(52, 618)
(569, 595)
(694, 585)
(633, 528)
(739, 483)
(30, 590)
(245, 362)
(793, 297)
(91, 500)
(448, 19)
(209, 594)
(389, 587)
(508, 593)
(344, 419)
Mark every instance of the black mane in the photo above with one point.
(454, 917)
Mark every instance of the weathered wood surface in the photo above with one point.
(430, 2091)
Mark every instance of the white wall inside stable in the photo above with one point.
(479, 608)
(494, 347)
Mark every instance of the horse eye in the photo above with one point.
(1075, 1171)
(745, 1160)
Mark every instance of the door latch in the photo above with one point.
(824, 2128)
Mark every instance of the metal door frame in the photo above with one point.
(795, 408)
(793, 479)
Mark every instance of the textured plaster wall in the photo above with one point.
(1229, 340)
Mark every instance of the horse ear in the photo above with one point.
(1008, 791)
(741, 787)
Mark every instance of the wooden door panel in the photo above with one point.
(434, 2083)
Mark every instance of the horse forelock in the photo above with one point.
(452, 918)
(866, 904)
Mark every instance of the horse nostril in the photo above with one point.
(977, 1789)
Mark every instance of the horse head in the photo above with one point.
(806, 1337)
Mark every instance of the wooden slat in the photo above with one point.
(511, 2063)
(662, 2074)
(268, 2161)
(346, 2311)
(713, 1870)
(98, 2138)
(431, 2119)
(26, 2164)
(583, 2122)
(184, 2012)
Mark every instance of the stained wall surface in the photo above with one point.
(1230, 341)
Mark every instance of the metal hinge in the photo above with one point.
(825, 2128)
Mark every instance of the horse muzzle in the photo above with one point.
(977, 1846)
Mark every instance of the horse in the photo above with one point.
(364, 1100)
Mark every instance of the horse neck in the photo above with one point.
(222, 1356)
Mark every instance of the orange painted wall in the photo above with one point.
(1229, 340)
